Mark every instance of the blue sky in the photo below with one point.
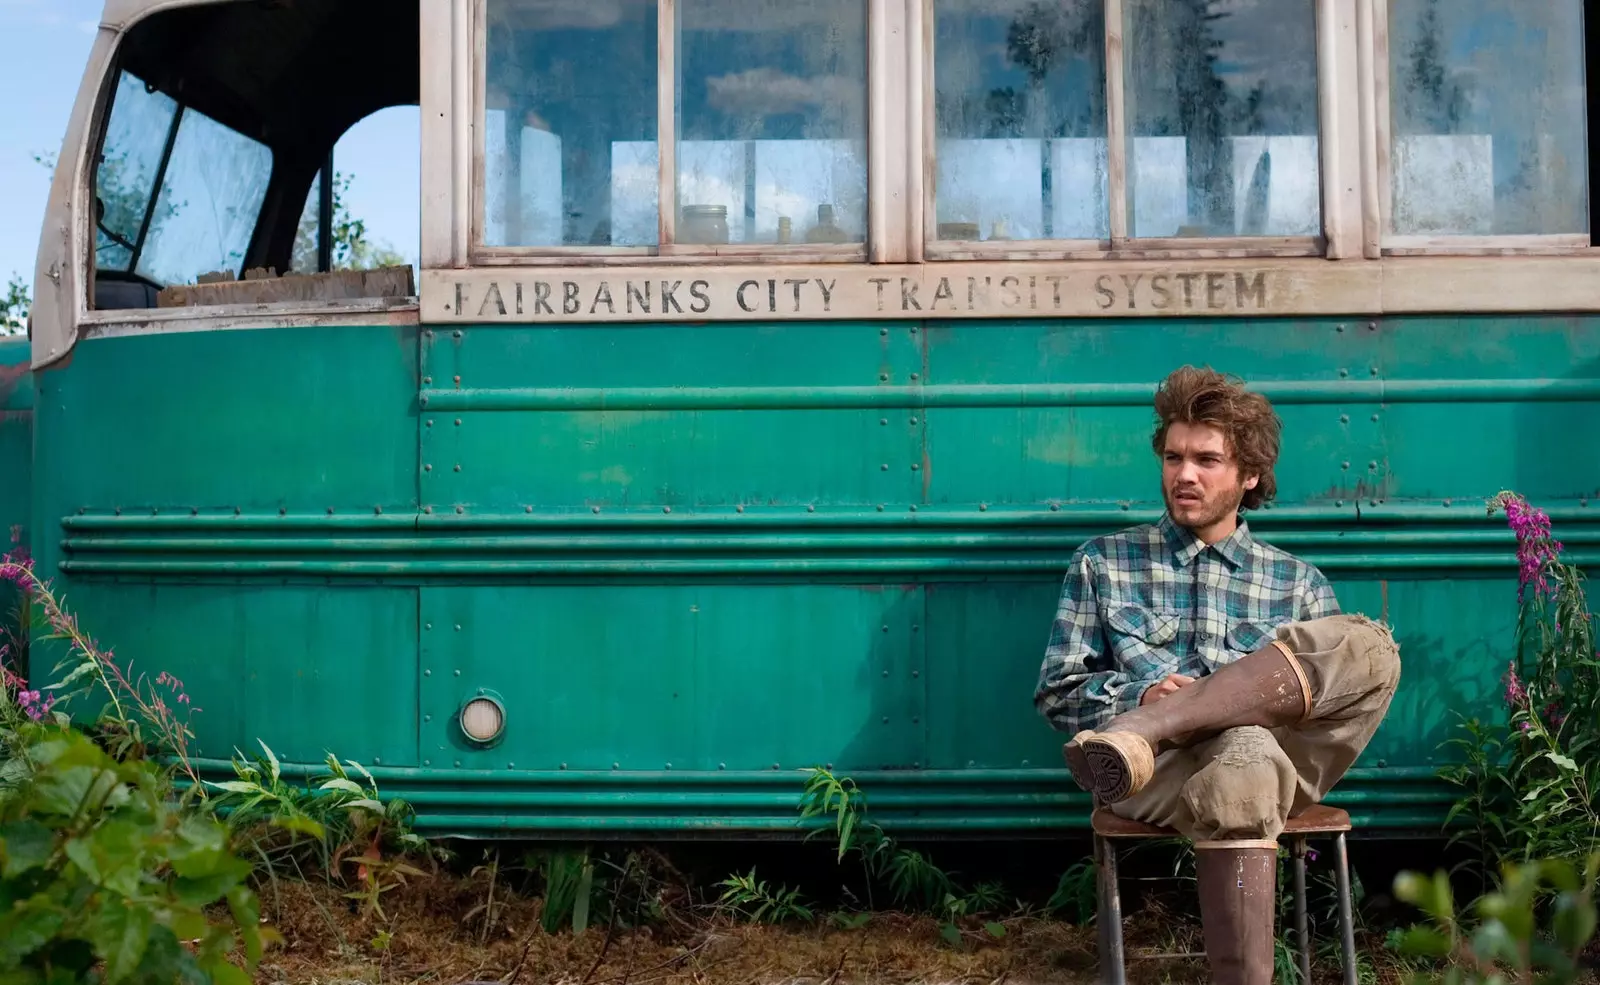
(47, 46)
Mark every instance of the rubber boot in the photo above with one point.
(1238, 889)
(1266, 688)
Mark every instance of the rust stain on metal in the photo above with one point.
(11, 378)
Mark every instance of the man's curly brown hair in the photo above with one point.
(1247, 421)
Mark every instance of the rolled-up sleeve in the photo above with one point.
(1317, 600)
(1079, 688)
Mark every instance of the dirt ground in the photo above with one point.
(428, 938)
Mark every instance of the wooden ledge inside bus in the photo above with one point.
(1250, 288)
(266, 287)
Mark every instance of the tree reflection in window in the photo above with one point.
(1020, 120)
(1222, 117)
(1220, 105)
(1487, 118)
(177, 194)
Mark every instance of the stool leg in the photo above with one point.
(1302, 937)
(1347, 926)
(1112, 966)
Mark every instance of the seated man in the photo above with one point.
(1209, 681)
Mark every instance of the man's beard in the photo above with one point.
(1209, 512)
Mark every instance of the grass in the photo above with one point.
(426, 939)
(660, 919)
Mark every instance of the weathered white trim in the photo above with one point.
(1552, 244)
(893, 160)
(222, 318)
(119, 15)
(1383, 138)
(667, 123)
(918, 82)
(465, 133)
(926, 83)
(1373, 140)
(682, 256)
(1186, 287)
(1209, 248)
(437, 131)
(62, 269)
(1338, 83)
(1117, 190)
(1020, 249)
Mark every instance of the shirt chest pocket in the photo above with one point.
(1135, 630)
(1249, 635)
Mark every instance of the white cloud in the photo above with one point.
(767, 91)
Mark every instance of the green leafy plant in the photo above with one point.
(912, 877)
(323, 822)
(15, 304)
(106, 879)
(1077, 895)
(753, 899)
(142, 717)
(569, 890)
(1531, 928)
(352, 247)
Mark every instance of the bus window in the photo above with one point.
(1487, 119)
(373, 165)
(215, 132)
(177, 194)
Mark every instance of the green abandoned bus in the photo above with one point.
(765, 361)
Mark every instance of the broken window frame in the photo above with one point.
(142, 239)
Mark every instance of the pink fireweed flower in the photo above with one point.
(1536, 548)
(1516, 694)
(35, 706)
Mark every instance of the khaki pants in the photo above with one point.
(1247, 782)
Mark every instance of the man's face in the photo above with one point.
(1200, 480)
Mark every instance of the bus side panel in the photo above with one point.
(309, 421)
(691, 559)
(193, 477)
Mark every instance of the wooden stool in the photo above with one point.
(1319, 820)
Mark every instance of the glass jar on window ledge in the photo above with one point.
(826, 230)
(704, 224)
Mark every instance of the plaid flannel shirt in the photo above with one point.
(1155, 600)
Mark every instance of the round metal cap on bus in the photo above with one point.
(483, 719)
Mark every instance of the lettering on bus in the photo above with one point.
(605, 296)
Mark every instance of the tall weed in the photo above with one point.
(1528, 785)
